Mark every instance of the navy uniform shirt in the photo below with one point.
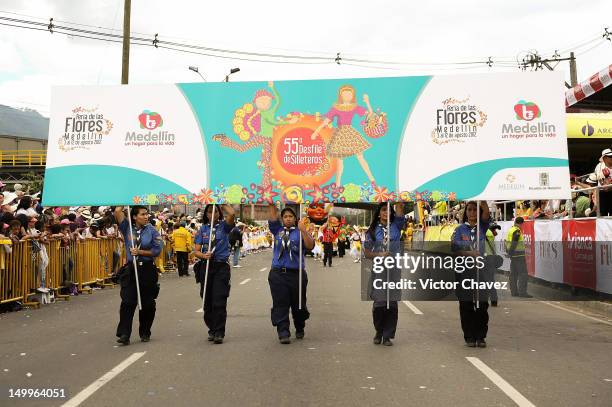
(221, 240)
(149, 240)
(464, 237)
(395, 233)
(282, 257)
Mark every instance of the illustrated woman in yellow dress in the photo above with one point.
(346, 141)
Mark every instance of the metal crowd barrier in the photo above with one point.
(56, 266)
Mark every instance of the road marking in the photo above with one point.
(245, 281)
(263, 269)
(603, 321)
(91, 389)
(199, 310)
(503, 385)
(412, 307)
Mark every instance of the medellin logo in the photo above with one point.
(150, 120)
(527, 111)
(588, 130)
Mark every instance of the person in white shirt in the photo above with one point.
(603, 171)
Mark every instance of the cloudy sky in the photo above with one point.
(432, 33)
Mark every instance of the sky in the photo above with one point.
(428, 33)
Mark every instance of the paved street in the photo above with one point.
(538, 354)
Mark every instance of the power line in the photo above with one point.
(241, 55)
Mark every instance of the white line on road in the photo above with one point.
(263, 269)
(91, 389)
(603, 321)
(412, 307)
(504, 386)
(245, 281)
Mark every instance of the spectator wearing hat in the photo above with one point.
(603, 171)
(18, 188)
(515, 248)
(9, 202)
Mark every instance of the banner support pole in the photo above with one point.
(300, 268)
(134, 262)
(478, 249)
(388, 245)
(210, 239)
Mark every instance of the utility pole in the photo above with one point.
(536, 62)
(573, 71)
(125, 60)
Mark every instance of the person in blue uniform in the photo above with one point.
(144, 244)
(218, 282)
(383, 239)
(466, 242)
(284, 273)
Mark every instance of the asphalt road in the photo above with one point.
(538, 354)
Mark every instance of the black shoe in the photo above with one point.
(387, 342)
(481, 343)
(299, 334)
(377, 339)
(470, 343)
(211, 337)
(494, 303)
(525, 295)
(285, 340)
(124, 340)
(218, 340)
(145, 338)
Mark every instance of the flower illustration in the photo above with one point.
(437, 196)
(351, 193)
(219, 194)
(382, 194)
(152, 199)
(205, 196)
(235, 194)
(316, 194)
(266, 194)
(366, 192)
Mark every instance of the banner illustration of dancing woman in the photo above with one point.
(346, 140)
(255, 123)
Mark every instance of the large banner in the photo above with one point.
(485, 136)
(549, 264)
(579, 253)
(603, 255)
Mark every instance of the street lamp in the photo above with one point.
(196, 70)
(233, 70)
